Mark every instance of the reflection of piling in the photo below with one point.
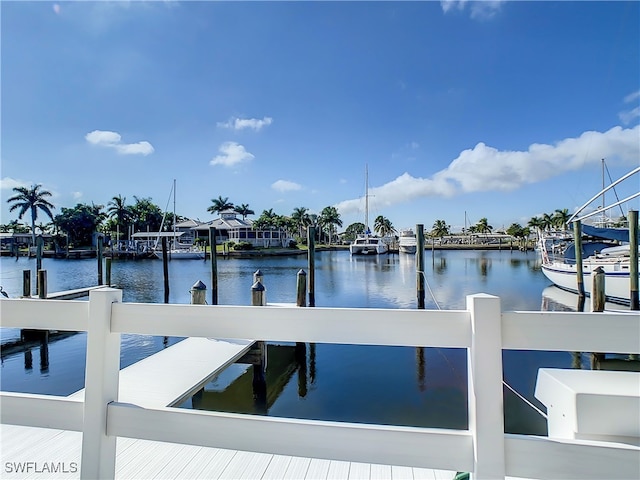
(420, 264)
(301, 347)
(421, 367)
(28, 359)
(26, 283)
(577, 239)
(44, 352)
(99, 255)
(311, 244)
(259, 299)
(597, 290)
(213, 247)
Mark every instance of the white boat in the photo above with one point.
(366, 243)
(408, 242)
(608, 249)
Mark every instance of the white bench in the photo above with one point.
(591, 404)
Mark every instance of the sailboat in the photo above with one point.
(608, 249)
(177, 250)
(366, 243)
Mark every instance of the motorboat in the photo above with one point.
(407, 242)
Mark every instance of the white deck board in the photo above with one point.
(164, 378)
(144, 459)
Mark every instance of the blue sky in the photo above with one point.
(498, 109)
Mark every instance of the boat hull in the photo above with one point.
(182, 254)
(407, 248)
(617, 279)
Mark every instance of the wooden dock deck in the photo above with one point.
(55, 454)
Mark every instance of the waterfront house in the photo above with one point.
(230, 228)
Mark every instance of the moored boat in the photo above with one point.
(408, 242)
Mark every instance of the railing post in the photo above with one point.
(486, 405)
(101, 386)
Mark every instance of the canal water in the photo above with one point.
(370, 384)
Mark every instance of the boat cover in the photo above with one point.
(620, 234)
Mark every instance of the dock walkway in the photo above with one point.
(169, 376)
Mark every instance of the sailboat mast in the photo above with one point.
(174, 211)
(366, 199)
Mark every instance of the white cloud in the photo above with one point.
(77, 195)
(231, 153)
(479, 9)
(242, 123)
(629, 115)
(103, 138)
(285, 186)
(485, 168)
(8, 183)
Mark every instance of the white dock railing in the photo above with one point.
(484, 449)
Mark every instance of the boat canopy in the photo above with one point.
(620, 234)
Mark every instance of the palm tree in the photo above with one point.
(440, 229)
(547, 221)
(483, 226)
(32, 199)
(560, 218)
(220, 205)
(300, 219)
(330, 218)
(244, 210)
(119, 211)
(382, 226)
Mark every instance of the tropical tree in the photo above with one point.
(267, 220)
(79, 222)
(330, 218)
(301, 220)
(146, 215)
(31, 199)
(220, 205)
(120, 213)
(243, 210)
(383, 227)
(518, 231)
(483, 226)
(15, 227)
(353, 230)
(440, 229)
(560, 218)
(547, 221)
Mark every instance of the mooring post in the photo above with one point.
(42, 283)
(198, 293)
(420, 264)
(311, 244)
(165, 269)
(39, 245)
(633, 258)
(213, 247)
(258, 276)
(108, 269)
(100, 245)
(301, 289)
(597, 290)
(577, 240)
(26, 283)
(258, 295)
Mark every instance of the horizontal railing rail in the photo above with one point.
(482, 329)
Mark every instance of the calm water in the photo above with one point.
(388, 385)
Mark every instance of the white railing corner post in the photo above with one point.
(101, 386)
(486, 406)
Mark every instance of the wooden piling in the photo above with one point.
(108, 270)
(39, 246)
(26, 283)
(165, 269)
(633, 258)
(577, 240)
(258, 276)
(420, 264)
(311, 244)
(259, 383)
(42, 283)
(301, 288)
(99, 247)
(597, 290)
(258, 295)
(214, 265)
(198, 293)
